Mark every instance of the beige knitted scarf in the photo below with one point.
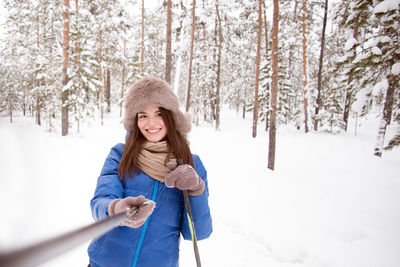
(151, 160)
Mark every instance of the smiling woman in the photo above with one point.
(144, 171)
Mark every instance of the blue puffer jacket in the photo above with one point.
(161, 241)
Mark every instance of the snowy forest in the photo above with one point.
(308, 64)
(321, 75)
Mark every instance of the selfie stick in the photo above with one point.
(43, 251)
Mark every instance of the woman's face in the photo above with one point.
(151, 124)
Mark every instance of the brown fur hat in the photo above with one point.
(151, 90)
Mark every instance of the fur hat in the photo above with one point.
(151, 90)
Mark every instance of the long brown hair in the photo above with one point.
(177, 143)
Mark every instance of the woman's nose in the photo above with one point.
(152, 120)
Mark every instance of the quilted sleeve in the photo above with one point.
(109, 186)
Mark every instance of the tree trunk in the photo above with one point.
(142, 46)
(10, 106)
(217, 94)
(122, 90)
(101, 93)
(386, 116)
(180, 36)
(37, 26)
(255, 110)
(38, 100)
(304, 20)
(24, 103)
(211, 91)
(38, 118)
(205, 88)
(64, 94)
(105, 88)
(203, 28)
(37, 82)
(108, 90)
(266, 53)
(274, 89)
(321, 59)
(191, 56)
(76, 48)
(177, 75)
(168, 56)
(122, 81)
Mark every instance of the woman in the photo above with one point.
(142, 174)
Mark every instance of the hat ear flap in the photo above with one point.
(182, 122)
(128, 123)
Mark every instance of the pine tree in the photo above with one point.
(189, 85)
(50, 58)
(384, 58)
(265, 91)
(331, 112)
(241, 54)
(354, 16)
(142, 44)
(65, 79)
(305, 74)
(332, 84)
(257, 80)
(265, 75)
(17, 81)
(320, 66)
(291, 75)
(274, 91)
(168, 56)
(84, 71)
(219, 37)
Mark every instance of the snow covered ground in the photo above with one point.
(329, 202)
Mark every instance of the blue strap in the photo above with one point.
(143, 232)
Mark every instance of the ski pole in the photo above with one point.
(48, 249)
(191, 222)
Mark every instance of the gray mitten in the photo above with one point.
(144, 209)
(184, 177)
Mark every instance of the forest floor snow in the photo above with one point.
(328, 203)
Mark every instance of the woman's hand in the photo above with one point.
(184, 177)
(143, 209)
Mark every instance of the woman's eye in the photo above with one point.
(141, 116)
